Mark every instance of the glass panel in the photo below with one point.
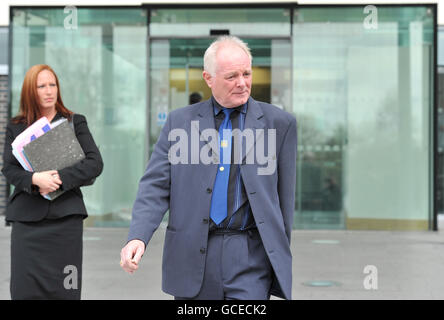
(199, 22)
(362, 97)
(3, 49)
(441, 46)
(101, 66)
(440, 155)
(440, 173)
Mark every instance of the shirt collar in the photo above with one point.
(217, 108)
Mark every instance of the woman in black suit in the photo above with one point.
(46, 236)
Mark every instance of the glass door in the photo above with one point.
(363, 99)
(176, 67)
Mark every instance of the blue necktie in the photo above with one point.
(218, 211)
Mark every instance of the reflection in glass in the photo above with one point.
(102, 71)
(176, 67)
(362, 98)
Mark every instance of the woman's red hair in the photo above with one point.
(29, 102)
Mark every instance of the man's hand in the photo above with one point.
(131, 255)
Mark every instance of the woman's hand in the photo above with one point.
(47, 181)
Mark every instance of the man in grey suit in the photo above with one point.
(226, 170)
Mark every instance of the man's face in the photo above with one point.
(231, 85)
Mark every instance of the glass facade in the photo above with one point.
(101, 65)
(363, 97)
(440, 129)
(3, 50)
(176, 71)
(361, 89)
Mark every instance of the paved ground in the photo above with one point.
(409, 265)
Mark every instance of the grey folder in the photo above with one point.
(56, 149)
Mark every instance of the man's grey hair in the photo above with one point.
(210, 64)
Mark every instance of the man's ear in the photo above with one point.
(208, 78)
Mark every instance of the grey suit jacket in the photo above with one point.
(185, 189)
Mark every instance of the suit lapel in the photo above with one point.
(205, 118)
(253, 121)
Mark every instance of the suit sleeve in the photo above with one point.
(89, 168)
(287, 176)
(12, 170)
(153, 196)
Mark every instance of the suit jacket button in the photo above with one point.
(202, 250)
(209, 190)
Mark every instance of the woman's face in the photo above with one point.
(47, 90)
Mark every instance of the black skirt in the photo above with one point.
(46, 259)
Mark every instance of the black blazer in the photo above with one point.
(26, 203)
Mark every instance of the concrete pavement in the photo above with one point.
(401, 265)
